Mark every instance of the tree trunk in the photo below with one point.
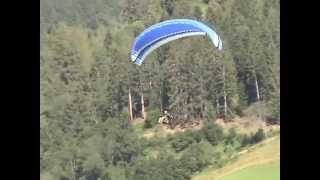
(218, 107)
(160, 86)
(143, 113)
(130, 106)
(161, 100)
(224, 91)
(73, 168)
(257, 88)
(202, 106)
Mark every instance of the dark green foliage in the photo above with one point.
(274, 106)
(168, 6)
(183, 140)
(245, 140)
(233, 138)
(205, 1)
(152, 118)
(210, 113)
(197, 156)
(259, 136)
(252, 138)
(196, 135)
(213, 133)
(162, 168)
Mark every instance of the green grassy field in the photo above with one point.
(262, 172)
(260, 163)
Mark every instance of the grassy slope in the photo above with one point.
(264, 157)
(270, 171)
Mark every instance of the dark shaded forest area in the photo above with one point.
(86, 79)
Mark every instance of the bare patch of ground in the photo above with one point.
(244, 125)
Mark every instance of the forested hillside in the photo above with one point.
(87, 78)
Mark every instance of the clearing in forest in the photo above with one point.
(245, 125)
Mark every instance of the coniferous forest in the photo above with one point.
(88, 84)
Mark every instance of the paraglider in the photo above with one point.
(166, 31)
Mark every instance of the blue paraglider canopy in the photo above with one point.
(166, 31)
